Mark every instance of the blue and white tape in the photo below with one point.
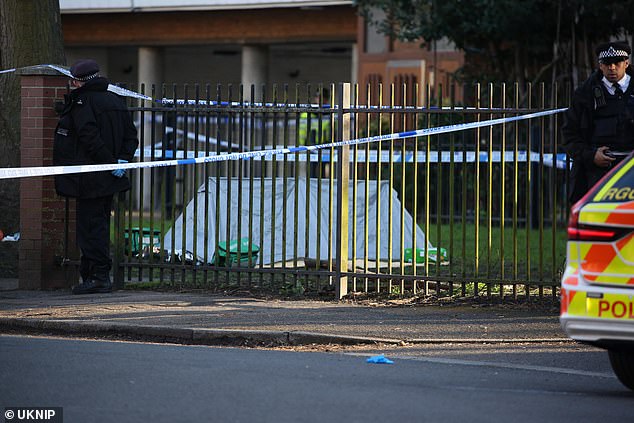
(324, 108)
(374, 156)
(112, 88)
(24, 172)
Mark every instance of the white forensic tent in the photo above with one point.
(318, 223)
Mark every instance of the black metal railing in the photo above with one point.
(479, 211)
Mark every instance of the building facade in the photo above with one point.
(244, 42)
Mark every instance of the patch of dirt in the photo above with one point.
(383, 300)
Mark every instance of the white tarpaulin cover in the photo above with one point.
(318, 223)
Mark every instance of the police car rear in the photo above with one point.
(597, 288)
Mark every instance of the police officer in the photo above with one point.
(599, 125)
(95, 127)
(313, 128)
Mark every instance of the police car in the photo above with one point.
(597, 288)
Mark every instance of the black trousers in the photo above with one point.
(93, 233)
(582, 179)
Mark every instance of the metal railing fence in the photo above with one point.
(474, 212)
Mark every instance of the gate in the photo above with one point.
(476, 211)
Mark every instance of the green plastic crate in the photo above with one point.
(432, 255)
(222, 257)
(140, 239)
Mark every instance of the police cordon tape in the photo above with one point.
(325, 107)
(112, 88)
(384, 156)
(25, 172)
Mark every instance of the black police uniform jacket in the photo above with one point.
(95, 127)
(596, 119)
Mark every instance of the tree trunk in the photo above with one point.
(30, 34)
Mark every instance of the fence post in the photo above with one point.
(343, 176)
(44, 229)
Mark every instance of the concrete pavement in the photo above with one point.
(203, 318)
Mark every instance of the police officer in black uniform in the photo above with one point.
(598, 131)
(95, 127)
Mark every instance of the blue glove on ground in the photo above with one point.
(119, 173)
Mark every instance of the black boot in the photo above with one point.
(85, 269)
(98, 282)
(101, 274)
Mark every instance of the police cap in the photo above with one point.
(84, 69)
(613, 52)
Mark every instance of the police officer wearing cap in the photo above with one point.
(95, 127)
(598, 131)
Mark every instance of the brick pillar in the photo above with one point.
(42, 211)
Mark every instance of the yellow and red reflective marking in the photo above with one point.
(571, 278)
(600, 262)
(625, 246)
(597, 259)
(573, 302)
(596, 213)
(622, 215)
(608, 263)
(564, 300)
(573, 253)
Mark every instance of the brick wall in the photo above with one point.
(42, 211)
(287, 24)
